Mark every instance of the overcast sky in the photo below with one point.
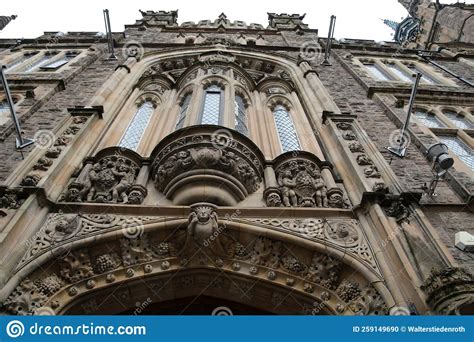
(355, 18)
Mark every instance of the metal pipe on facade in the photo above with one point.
(20, 141)
(400, 150)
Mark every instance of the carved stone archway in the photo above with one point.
(327, 264)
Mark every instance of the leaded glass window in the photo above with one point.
(428, 120)
(461, 150)
(136, 128)
(376, 72)
(183, 110)
(458, 120)
(286, 129)
(212, 110)
(399, 73)
(240, 115)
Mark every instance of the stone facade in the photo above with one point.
(215, 155)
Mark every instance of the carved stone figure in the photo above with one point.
(288, 184)
(301, 185)
(203, 228)
(109, 180)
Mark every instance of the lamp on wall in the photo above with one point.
(441, 163)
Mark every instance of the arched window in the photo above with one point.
(134, 132)
(427, 119)
(240, 115)
(183, 110)
(286, 129)
(212, 108)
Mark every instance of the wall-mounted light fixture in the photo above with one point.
(441, 163)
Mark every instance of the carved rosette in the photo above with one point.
(108, 178)
(450, 291)
(207, 164)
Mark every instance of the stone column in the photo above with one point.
(272, 193)
(138, 190)
(334, 193)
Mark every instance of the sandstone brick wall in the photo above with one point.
(80, 86)
(414, 169)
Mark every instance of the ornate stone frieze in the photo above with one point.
(341, 234)
(60, 229)
(308, 272)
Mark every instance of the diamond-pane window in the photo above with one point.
(399, 73)
(137, 126)
(428, 120)
(461, 150)
(240, 115)
(183, 111)
(211, 113)
(458, 120)
(286, 129)
(376, 72)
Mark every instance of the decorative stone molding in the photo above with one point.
(366, 164)
(227, 163)
(12, 198)
(345, 235)
(450, 291)
(110, 179)
(60, 229)
(65, 138)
